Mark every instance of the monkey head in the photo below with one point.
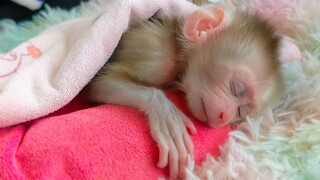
(233, 68)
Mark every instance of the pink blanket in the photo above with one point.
(92, 143)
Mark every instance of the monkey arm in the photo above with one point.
(167, 123)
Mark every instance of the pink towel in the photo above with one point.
(103, 142)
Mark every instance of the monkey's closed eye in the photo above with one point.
(237, 88)
(243, 110)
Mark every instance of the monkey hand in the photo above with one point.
(169, 129)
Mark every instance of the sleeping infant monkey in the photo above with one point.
(226, 63)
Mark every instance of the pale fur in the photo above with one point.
(156, 54)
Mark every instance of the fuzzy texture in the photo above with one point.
(14, 34)
(42, 75)
(282, 144)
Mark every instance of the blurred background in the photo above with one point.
(20, 10)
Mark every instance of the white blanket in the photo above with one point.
(45, 73)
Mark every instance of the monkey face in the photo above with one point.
(225, 95)
(220, 91)
(232, 71)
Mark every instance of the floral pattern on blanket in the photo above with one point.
(12, 61)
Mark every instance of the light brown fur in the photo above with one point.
(156, 54)
(142, 50)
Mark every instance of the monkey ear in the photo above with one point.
(203, 22)
(289, 52)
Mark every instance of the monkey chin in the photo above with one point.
(215, 124)
(203, 118)
(200, 113)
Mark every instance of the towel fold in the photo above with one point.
(45, 73)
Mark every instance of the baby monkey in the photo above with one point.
(226, 63)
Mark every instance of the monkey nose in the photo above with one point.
(222, 117)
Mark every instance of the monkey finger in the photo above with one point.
(163, 150)
(158, 136)
(189, 124)
(183, 163)
(187, 142)
(177, 136)
(163, 154)
(173, 161)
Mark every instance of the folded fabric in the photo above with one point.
(45, 73)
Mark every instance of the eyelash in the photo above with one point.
(238, 90)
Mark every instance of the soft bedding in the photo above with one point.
(54, 134)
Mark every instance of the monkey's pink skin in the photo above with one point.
(289, 52)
